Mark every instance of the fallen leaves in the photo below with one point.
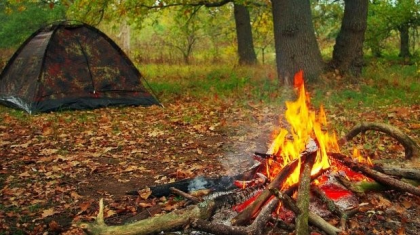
(54, 166)
(48, 212)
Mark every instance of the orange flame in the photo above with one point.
(305, 125)
(358, 157)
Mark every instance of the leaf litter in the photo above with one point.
(54, 167)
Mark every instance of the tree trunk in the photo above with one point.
(404, 41)
(295, 42)
(246, 50)
(348, 48)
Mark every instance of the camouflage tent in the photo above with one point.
(71, 66)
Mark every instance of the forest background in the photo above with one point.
(221, 101)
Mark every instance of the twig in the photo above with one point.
(185, 195)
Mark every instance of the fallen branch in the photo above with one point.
(409, 173)
(412, 149)
(376, 175)
(174, 219)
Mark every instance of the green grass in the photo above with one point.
(387, 82)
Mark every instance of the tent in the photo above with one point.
(71, 66)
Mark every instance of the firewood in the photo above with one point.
(376, 175)
(313, 218)
(257, 227)
(405, 171)
(246, 215)
(412, 149)
(333, 208)
(302, 227)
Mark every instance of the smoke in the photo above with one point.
(197, 183)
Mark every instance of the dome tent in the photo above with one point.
(71, 66)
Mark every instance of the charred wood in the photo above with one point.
(246, 215)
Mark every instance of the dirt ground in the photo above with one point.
(55, 167)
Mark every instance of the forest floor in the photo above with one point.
(55, 167)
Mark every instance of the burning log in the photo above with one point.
(376, 175)
(412, 149)
(246, 215)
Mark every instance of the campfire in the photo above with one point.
(302, 178)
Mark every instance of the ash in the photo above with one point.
(224, 216)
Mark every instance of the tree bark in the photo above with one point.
(404, 41)
(348, 48)
(246, 50)
(295, 42)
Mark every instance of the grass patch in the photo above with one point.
(225, 82)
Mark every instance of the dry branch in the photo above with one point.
(376, 175)
(185, 195)
(412, 149)
(409, 173)
(156, 224)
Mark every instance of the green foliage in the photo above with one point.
(387, 16)
(385, 82)
(21, 20)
